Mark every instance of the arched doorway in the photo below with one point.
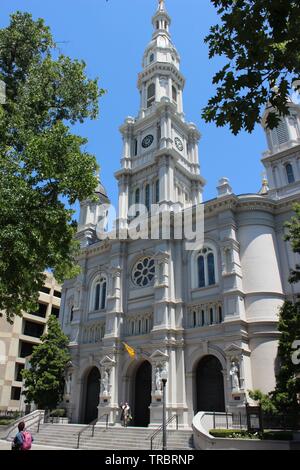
(142, 395)
(209, 385)
(92, 395)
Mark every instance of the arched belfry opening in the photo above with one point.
(92, 392)
(209, 384)
(142, 395)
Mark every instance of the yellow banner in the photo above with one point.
(130, 350)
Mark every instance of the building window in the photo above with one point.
(55, 311)
(202, 318)
(211, 269)
(290, 173)
(206, 268)
(174, 94)
(150, 95)
(18, 372)
(72, 313)
(143, 272)
(201, 272)
(103, 296)
(157, 25)
(57, 293)
(45, 289)
(41, 312)
(147, 197)
(211, 316)
(151, 59)
(100, 294)
(137, 196)
(26, 349)
(220, 315)
(33, 329)
(135, 147)
(15, 393)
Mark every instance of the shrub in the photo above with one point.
(58, 413)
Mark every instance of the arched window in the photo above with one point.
(206, 268)
(201, 272)
(150, 95)
(220, 315)
(137, 196)
(72, 313)
(135, 147)
(211, 269)
(174, 94)
(290, 173)
(103, 296)
(99, 294)
(151, 58)
(211, 315)
(147, 197)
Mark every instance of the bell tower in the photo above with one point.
(281, 160)
(160, 162)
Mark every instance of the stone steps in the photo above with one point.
(109, 439)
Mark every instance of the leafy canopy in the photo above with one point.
(44, 167)
(44, 381)
(259, 40)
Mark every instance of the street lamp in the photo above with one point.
(164, 378)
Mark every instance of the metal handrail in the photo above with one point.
(91, 425)
(28, 422)
(160, 429)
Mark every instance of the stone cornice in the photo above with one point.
(281, 154)
(161, 67)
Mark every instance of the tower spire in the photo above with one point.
(161, 5)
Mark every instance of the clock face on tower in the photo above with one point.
(147, 141)
(179, 144)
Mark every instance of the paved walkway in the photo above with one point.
(5, 445)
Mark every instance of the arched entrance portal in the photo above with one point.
(92, 395)
(142, 394)
(209, 385)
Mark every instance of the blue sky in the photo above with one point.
(110, 36)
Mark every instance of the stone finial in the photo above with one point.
(224, 188)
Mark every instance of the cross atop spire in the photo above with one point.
(161, 5)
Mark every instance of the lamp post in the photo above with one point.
(164, 378)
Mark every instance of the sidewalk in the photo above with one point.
(5, 445)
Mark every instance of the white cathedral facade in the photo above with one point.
(206, 317)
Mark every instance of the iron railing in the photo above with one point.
(159, 431)
(230, 420)
(253, 422)
(91, 425)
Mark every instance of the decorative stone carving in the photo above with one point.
(159, 364)
(234, 374)
(105, 382)
(106, 366)
(158, 381)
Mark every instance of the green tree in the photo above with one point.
(44, 381)
(285, 396)
(259, 40)
(44, 166)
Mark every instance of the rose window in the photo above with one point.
(143, 272)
